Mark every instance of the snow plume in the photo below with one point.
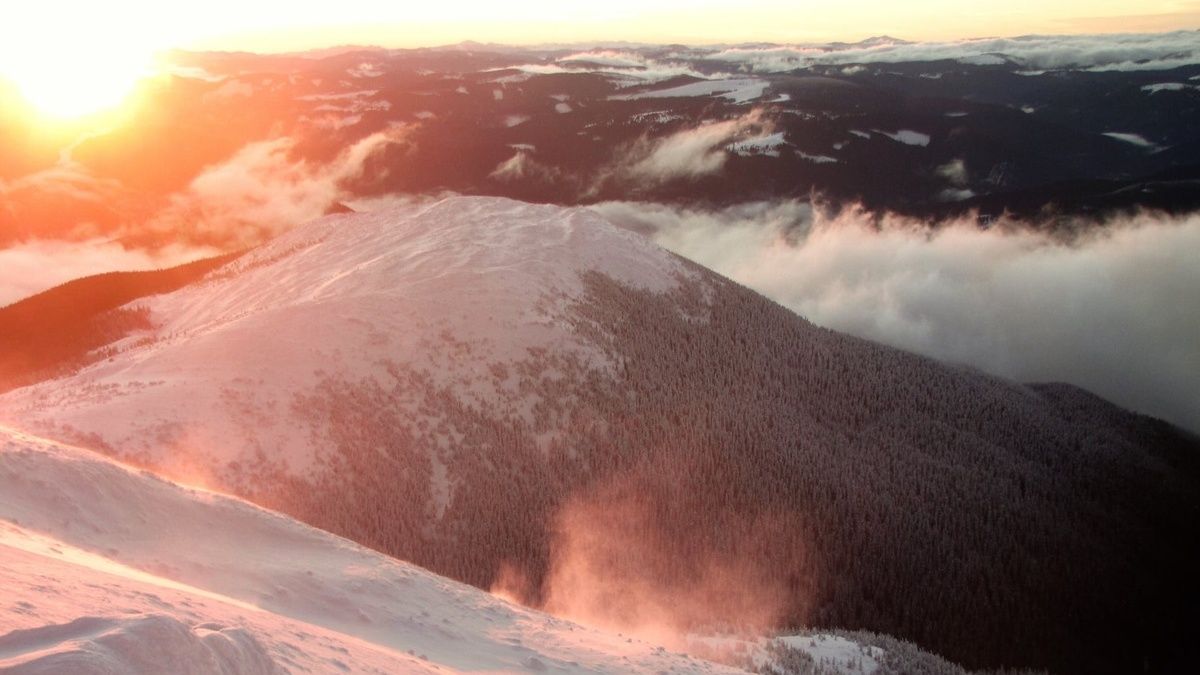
(1112, 310)
(1159, 51)
(622, 562)
(263, 190)
(690, 153)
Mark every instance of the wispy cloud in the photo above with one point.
(686, 154)
(1112, 311)
(34, 266)
(1036, 52)
(263, 190)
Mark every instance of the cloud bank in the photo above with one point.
(1114, 311)
(262, 191)
(34, 266)
(63, 223)
(1154, 51)
(687, 154)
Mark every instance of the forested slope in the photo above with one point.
(526, 396)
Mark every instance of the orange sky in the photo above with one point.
(63, 53)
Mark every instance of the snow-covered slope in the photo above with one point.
(213, 383)
(110, 570)
(503, 392)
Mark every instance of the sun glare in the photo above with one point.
(64, 89)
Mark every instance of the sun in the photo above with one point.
(71, 86)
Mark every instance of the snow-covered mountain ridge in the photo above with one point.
(528, 397)
(214, 379)
(111, 570)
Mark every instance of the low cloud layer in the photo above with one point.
(686, 154)
(624, 66)
(64, 222)
(1113, 312)
(1154, 51)
(32, 267)
(263, 190)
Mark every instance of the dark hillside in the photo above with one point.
(50, 333)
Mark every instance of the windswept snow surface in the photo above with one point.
(214, 382)
(110, 570)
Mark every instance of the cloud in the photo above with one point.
(263, 190)
(1112, 311)
(687, 154)
(34, 266)
(522, 166)
(229, 89)
(65, 200)
(626, 67)
(1034, 53)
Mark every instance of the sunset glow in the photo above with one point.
(625, 337)
(62, 90)
(69, 60)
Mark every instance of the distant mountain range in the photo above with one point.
(1047, 128)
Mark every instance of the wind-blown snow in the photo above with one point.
(111, 570)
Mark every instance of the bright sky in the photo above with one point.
(98, 48)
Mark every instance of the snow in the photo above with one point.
(655, 117)
(1132, 139)
(363, 93)
(216, 378)
(860, 133)
(831, 654)
(736, 90)
(1168, 86)
(110, 570)
(347, 102)
(836, 652)
(515, 120)
(365, 69)
(768, 144)
(905, 136)
(818, 159)
(562, 107)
